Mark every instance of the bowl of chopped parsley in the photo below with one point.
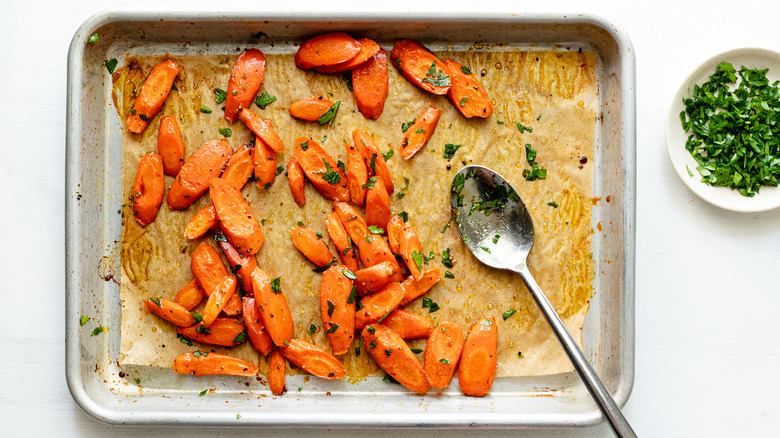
(723, 130)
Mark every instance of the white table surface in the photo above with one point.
(707, 289)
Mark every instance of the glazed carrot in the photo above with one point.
(199, 363)
(218, 298)
(149, 188)
(378, 305)
(326, 50)
(409, 325)
(193, 179)
(442, 354)
(411, 250)
(370, 85)
(394, 226)
(372, 249)
(466, 93)
(190, 295)
(235, 217)
(337, 304)
(240, 166)
(420, 132)
(313, 359)
(241, 266)
(414, 289)
(244, 82)
(233, 306)
(391, 353)
(276, 373)
(152, 96)
(368, 48)
(208, 270)
(311, 245)
(421, 67)
(375, 277)
(373, 158)
(170, 145)
(310, 108)
(265, 165)
(321, 169)
(223, 331)
(170, 311)
(296, 179)
(357, 175)
(478, 361)
(201, 222)
(338, 235)
(258, 335)
(272, 304)
(263, 129)
(377, 203)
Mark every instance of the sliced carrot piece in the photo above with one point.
(411, 250)
(235, 218)
(199, 363)
(409, 325)
(311, 245)
(193, 179)
(244, 83)
(273, 308)
(152, 96)
(342, 242)
(277, 368)
(326, 50)
(391, 353)
(296, 179)
(262, 128)
(321, 169)
(223, 331)
(368, 48)
(372, 249)
(370, 85)
(265, 165)
(201, 222)
(478, 361)
(208, 270)
(258, 335)
(442, 354)
(218, 298)
(414, 289)
(421, 67)
(313, 359)
(240, 166)
(241, 266)
(373, 158)
(377, 203)
(378, 305)
(394, 227)
(420, 132)
(357, 175)
(310, 108)
(233, 306)
(171, 312)
(337, 304)
(375, 277)
(170, 145)
(149, 188)
(466, 93)
(190, 295)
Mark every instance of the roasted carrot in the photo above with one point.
(208, 270)
(373, 158)
(394, 227)
(265, 165)
(240, 166)
(478, 361)
(218, 299)
(377, 203)
(152, 96)
(272, 304)
(338, 235)
(321, 169)
(235, 218)
(242, 266)
(149, 188)
(337, 304)
(466, 93)
(409, 325)
(313, 359)
(193, 179)
(200, 363)
(244, 82)
(414, 289)
(190, 295)
(391, 353)
(357, 175)
(170, 311)
(421, 67)
(442, 354)
(374, 278)
(311, 244)
(326, 50)
(258, 335)
(420, 132)
(170, 145)
(310, 108)
(378, 305)
(276, 373)
(372, 249)
(262, 128)
(223, 331)
(411, 250)
(368, 48)
(296, 179)
(201, 222)
(370, 85)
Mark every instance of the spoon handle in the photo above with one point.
(600, 395)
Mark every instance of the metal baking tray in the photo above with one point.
(110, 393)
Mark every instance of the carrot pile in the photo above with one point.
(378, 265)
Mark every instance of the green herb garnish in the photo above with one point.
(219, 95)
(330, 176)
(431, 305)
(111, 65)
(241, 337)
(522, 128)
(463, 101)
(553, 204)
(508, 313)
(416, 350)
(448, 274)
(226, 132)
(93, 38)
(312, 329)
(388, 154)
(98, 330)
(330, 114)
(444, 361)
(205, 109)
(320, 269)
(83, 320)
(156, 301)
(375, 230)
(406, 125)
(183, 340)
(204, 392)
(276, 285)
(450, 149)
(347, 78)
(446, 260)
(371, 182)
(331, 306)
(417, 257)
(264, 99)
(465, 69)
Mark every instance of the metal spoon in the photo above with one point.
(486, 208)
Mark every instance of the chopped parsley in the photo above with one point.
(83, 320)
(352, 295)
(312, 329)
(406, 125)
(324, 268)
(305, 145)
(226, 132)
(387, 155)
(419, 131)
(279, 170)
(98, 330)
(183, 340)
(264, 99)
(330, 176)
(330, 114)
(450, 149)
(486, 322)
(416, 350)
(486, 249)
(205, 109)
(554, 204)
(389, 379)
(372, 344)
(199, 353)
(431, 305)
(111, 65)
(495, 238)
(522, 128)
(404, 216)
(203, 330)
(495, 198)
(388, 351)
(219, 95)
(448, 274)
(219, 237)
(276, 285)
(465, 69)
(331, 307)
(198, 318)
(508, 313)
(156, 301)
(371, 182)
(347, 78)
(241, 337)
(436, 78)
(417, 257)
(93, 38)
(463, 101)
(444, 361)
(375, 230)
(446, 260)
(204, 392)
(371, 329)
